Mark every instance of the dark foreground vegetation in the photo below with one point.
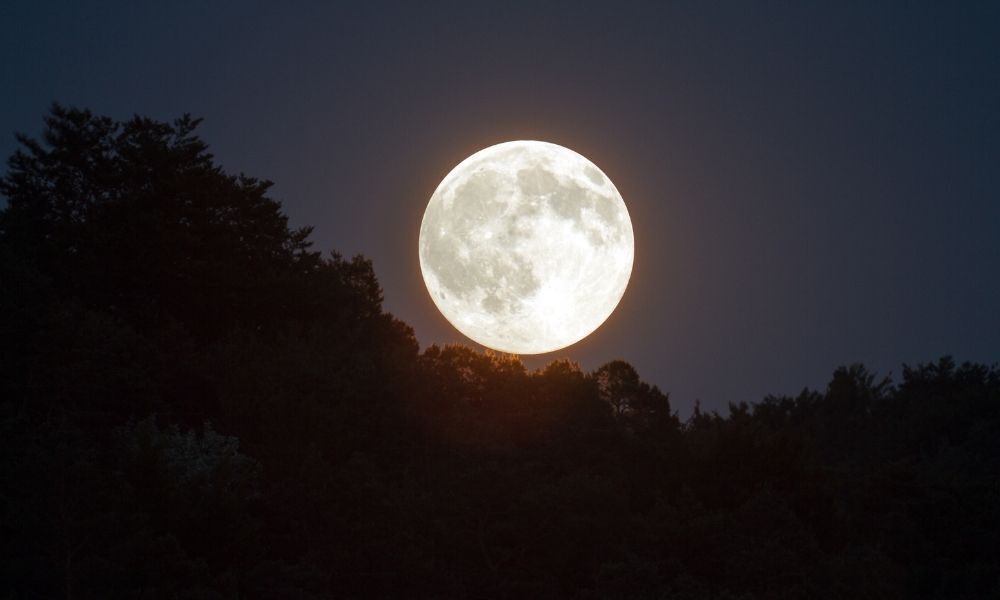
(196, 405)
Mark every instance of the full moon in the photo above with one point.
(526, 247)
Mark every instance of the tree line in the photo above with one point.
(196, 404)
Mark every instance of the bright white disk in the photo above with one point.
(526, 247)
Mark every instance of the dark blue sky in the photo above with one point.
(810, 184)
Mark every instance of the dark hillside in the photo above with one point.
(195, 404)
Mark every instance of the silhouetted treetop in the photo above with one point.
(632, 400)
(137, 218)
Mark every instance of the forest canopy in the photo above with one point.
(196, 404)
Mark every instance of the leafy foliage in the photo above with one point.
(196, 405)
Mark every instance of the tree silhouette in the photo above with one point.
(631, 399)
(135, 218)
(194, 404)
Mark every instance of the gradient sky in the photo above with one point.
(810, 184)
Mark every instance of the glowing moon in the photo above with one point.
(526, 247)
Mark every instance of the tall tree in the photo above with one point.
(135, 218)
(632, 400)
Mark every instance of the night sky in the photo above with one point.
(810, 185)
